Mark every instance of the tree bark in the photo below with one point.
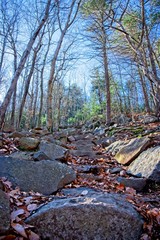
(146, 100)
(27, 83)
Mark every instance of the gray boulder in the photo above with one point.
(147, 164)
(121, 119)
(44, 176)
(96, 217)
(52, 150)
(25, 155)
(150, 119)
(4, 212)
(99, 131)
(136, 183)
(106, 141)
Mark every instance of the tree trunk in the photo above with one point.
(33, 120)
(146, 100)
(22, 62)
(155, 75)
(51, 82)
(27, 83)
(107, 82)
(15, 91)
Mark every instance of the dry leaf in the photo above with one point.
(32, 207)
(130, 190)
(16, 213)
(20, 229)
(120, 187)
(33, 236)
(9, 237)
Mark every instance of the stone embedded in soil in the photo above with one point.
(4, 213)
(28, 143)
(43, 176)
(136, 183)
(95, 217)
(52, 150)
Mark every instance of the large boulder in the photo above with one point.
(116, 146)
(44, 176)
(129, 152)
(4, 212)
(28, 143)
(96, 217)
(147, 164)
(52, 150)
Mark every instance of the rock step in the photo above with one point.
(90, 217)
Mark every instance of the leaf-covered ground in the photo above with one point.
(94, 173)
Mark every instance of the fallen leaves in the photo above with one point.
(22, 204)
(99, 176)
(8, 145)
(103, 179)
(19, 229)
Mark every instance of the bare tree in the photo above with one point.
(21, 64)
(64, 25)
(139, 42)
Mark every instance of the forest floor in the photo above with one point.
(147, 202)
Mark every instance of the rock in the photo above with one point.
(102, 216)
(83, 153)
(16, 135)
(52, 150)
(83, 148)
(99, 131)
(38, 156)
(80, 191)
(66, 132)
(129, 152)
(4, 213)
(95, 169)
(94, 125)
(150, 119)
(136, 183)
(44, 176)
(84, 143)
(147, 164)
(116, 146)
(105, 142)
(122, 119)
(71, 139)
(79, 137)
(1, 143)
(22, 155)
(115, 170)
(40, 131)
(28, 143)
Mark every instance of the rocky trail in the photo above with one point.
(94, 182)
